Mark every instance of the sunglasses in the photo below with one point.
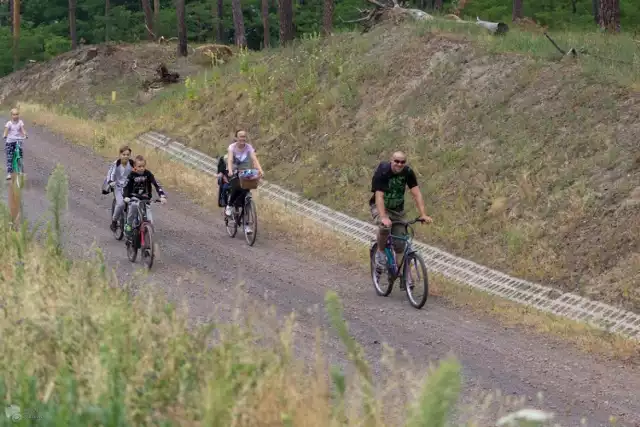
(400, 162)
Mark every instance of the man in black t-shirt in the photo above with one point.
(387, 202)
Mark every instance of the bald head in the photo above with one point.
(398, 161)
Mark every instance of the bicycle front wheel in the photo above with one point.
(148, 247)
(415, 280)
(250, 221)
(230, 224)
(119, 231)
(132, 249)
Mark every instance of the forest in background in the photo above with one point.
(45, 29)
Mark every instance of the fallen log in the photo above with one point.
(391, 10)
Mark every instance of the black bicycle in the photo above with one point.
(142, 235)
(244, 216)
(411, 282)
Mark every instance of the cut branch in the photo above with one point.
(391, 9)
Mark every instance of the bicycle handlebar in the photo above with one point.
(144, 199)
(406, 223)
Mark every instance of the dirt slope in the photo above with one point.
(196, 257)
(82, 80)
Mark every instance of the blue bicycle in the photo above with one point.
(411, 282)
(17, 163)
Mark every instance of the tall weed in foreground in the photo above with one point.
(58, 193)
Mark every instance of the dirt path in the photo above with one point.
(196, 256)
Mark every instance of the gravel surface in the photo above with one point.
(199, 264)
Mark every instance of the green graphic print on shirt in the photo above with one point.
(394, 196)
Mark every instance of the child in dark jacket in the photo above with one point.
(223, 181)
(138, 185)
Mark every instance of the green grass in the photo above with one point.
(601, 56)
(79, 350)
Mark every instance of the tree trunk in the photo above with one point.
(265, 22)
(574, 8)
(517, 10)
(72, 24)
(595, 9)
(285, 12)
(218, 10)
(156, 15)
(238, 23)
(10, 17)
(16, 32)
(148, 18)
(327, 17)
(182, 28)
(609, 18)
(107, 18)
(438, 5)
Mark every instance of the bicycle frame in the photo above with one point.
(143, 205)
(17, 155)
(395, 267)
(247, 197)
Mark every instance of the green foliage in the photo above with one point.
(45, 23)
(438, 397)
(558, 15)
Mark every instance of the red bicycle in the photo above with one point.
(142, 234)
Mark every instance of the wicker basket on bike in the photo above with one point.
(248, 179)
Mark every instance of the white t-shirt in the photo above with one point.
(241, 158)
(15, 129)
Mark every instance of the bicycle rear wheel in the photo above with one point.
(250, 219)
(147, 248)
(417, 285)
(377, 276)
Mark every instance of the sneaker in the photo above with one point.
(228, 211)
(248, 230)
(8, 176)
(381, 261)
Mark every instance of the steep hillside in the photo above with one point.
(82, 80)
(528, 164)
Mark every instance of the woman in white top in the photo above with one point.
(13, 132)
(241, 156)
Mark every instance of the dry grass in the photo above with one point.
(332, 246)
(78, 351)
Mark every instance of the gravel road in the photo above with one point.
(200, 264)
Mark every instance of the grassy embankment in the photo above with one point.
(528, 164)
(77, 350)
